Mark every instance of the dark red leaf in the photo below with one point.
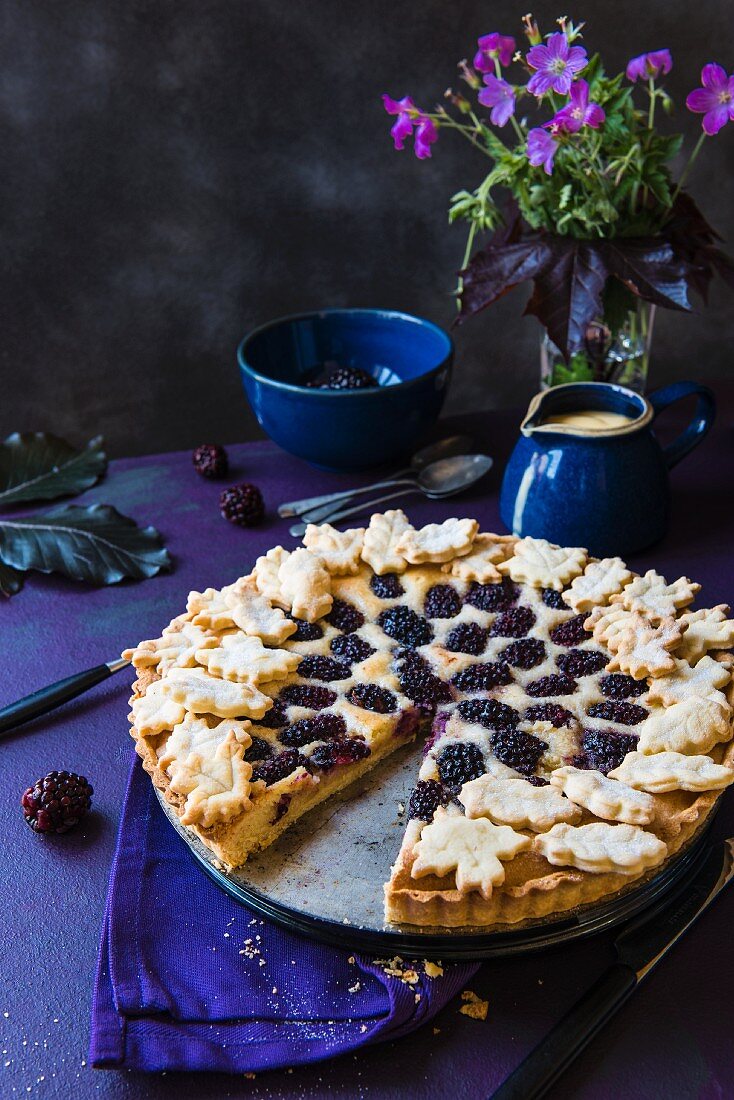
(495, 270)
(649, 268)
(567, 296)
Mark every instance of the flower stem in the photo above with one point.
(652, 93)
(465, 261)
(686, 170)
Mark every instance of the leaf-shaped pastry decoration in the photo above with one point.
(380, 539)
(597, 848)
(154, 712)
(604, 797)
(340, 550)
(652, 596)
(245, 659)
(706, 629)
(672, 771)
(599, 581)
(41, 466)
(437, 542)
(305, 585)
(691, 727)
(255, 614)
(700, 681)
(542, 564)
(216, 784)
(95, 544)
(474, 847)
(176, 647)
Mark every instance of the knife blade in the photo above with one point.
(642, 944)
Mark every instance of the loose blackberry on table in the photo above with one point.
(242, 504)
(57, 802)
(210, 460)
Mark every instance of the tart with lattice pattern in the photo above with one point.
(575, 718)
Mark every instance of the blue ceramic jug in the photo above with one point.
(603, 488)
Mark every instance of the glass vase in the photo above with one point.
(609, 354)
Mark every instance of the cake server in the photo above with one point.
(52, 696)
(639, 948)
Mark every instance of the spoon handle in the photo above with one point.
(298, 507)
(299, 528)
(323, 513)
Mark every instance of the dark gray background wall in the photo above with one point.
(175, 172)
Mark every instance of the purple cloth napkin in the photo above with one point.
(188, 979)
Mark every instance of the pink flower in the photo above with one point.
(649, 65)
(578, 112)
(715, 101)
(493, 45)
(556, 62)
(410, 119)
(542, 149)
(500, 96)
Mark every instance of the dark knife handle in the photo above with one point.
(48, 698)
(545, 1064)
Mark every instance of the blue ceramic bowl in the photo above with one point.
(347, 429)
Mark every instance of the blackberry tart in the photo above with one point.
(578, 716)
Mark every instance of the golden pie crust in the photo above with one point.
(533, 888)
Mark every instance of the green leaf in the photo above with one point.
(11, 580)
(95, 544)
(40, 466)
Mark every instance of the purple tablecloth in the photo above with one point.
(671, 1040)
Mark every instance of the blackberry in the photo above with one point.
(482, 677)
(513, 624)
(348, 378)
(323, 727)
(307, 695)
(459, 762)
(351, 648)
(492, 597)
(554, 599)
(558, 684)
(442, 602)
(627, 714)
(281, 808)
(318, 667)
(345, 750)
(242, 504)
(619, 686)
(420, 684)
(305, 632)
(527, 653)
(582, 662)
(345, 616)
(372, 697)
(554, 713)
(258, 749)
(489, 713)
(210, 460)
(425, 799)
(57, 802)
(537, 780)
(274, 718)
(402, 624)
(278, 767)
(467, 638)
(571, 632)
(603, 750)
(386, 587)
(517, 749)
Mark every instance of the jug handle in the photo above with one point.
(702, 420)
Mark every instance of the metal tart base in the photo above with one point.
(324, 878)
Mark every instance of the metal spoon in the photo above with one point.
(443, 448)
(441, 479)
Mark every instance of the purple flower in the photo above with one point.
(500, 96)
(542, 149)
(410, 118)
(578, 112)
(493, 45)
(649, 65)
(425, 135)
(715, 101)
(556, 63)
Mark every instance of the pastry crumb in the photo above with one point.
(355, 988)
(474, 1006)
(433, 970)
(437, 1031)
